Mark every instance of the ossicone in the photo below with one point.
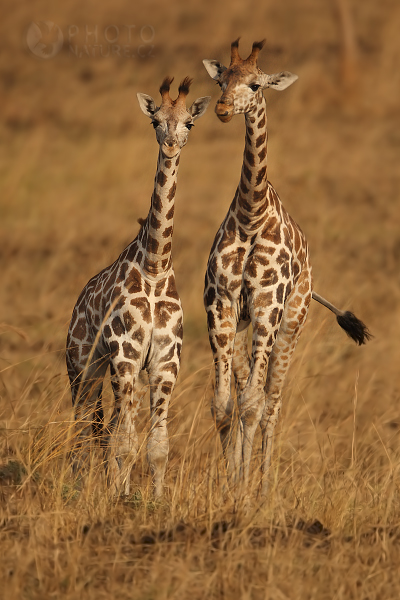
(165, 87)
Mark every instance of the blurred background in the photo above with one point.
(78, 157)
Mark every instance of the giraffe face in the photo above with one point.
(172, 121)
(172, 128)
(242, 83)
(241, 87)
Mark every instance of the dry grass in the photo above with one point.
(77, 160)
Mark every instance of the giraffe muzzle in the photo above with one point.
(170, 148)
(224, 112)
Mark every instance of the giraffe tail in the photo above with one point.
(354, 328)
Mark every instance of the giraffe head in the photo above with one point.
(242, 83)
(171, 120)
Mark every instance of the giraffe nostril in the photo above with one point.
(223, 110)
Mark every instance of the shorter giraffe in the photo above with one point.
(129, 316)
(258, 273)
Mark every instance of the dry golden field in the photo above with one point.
(77, 160)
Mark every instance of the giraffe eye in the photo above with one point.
(155, 124)
(254, 86)
(189, 125)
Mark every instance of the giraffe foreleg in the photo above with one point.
(222, 404)
(98, 420)
(121, 445)
(251, 406)
(268, 422)
(241, 371)
(158, 442)
(293, 320)
(251, 402)
(241, 361)
(163, 373)
(86, 387)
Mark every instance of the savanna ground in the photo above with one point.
(77, 160)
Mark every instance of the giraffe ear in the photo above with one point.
(199, 107)
(214, 68)
(147, 104)
(279, 81)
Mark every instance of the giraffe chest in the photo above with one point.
(244, 268)
(127, 311)
(152, 303)
(244, 279)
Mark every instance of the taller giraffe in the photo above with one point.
(129, 316)
(258, 273)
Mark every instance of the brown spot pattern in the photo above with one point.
(167, 248)
(161, 178)
(177, 329)
(129, 321)
(171, 291)
(138, 335)
(129, 351)
(171, 193)
(117, 326)
(221, 339)
(170, 213)
(247, 172)
(261, 175)
(125, 368)
(114, 348)
(79, 331)
(167, 232)
(166, 388)
(152, 245)
(156, 202)
(154, 222)
(134, 281)
(171, 368)
(163, 312)
(249, 157)
(143, 305)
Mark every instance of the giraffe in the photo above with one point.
(258, 273)
(129, 316)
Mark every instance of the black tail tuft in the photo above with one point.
(354, 327)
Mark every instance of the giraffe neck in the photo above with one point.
(156, 234)
(251, 202)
